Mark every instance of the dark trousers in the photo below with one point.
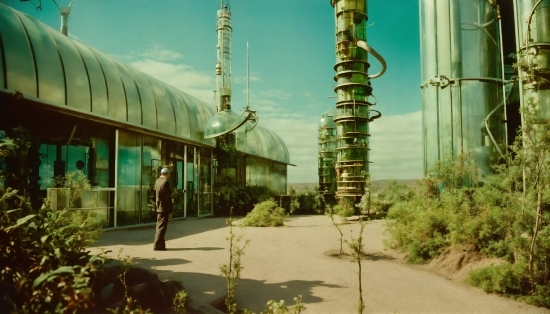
(162, 225)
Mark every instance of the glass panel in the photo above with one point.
(46, 169)
(97, 80)
(101, 201)
(165, 113)
(99, 158)
(75, 157)
(2, 80)
(206, 182)
(194, 116)
(20, 72)
(257, 171)
(179, 195)
(151, 162)
(192, 183)
(277, 178)
(128, 178)
(117, 99)
(51, 85)
(133, 101)
(76, 77)
(182, 117)
(148, 109)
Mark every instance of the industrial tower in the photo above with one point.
(348, 151)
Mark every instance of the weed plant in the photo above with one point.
(337, 222)
(356, 247)
(273, 307)
(265, 214)
(180, 299)
(232, 270)
(127, 305)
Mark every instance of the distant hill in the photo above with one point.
(376, 185)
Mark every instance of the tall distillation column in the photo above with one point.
(462, 94)
(353, 90)
(533, 46)
(223, 63)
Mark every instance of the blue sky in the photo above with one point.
(291, 48)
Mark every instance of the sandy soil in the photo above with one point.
(281, 263)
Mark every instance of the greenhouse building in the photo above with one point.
(118, 126)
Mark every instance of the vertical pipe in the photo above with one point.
(461, 73)
(533, 30)
(247, 78)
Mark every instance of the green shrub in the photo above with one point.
(311, 202)
(240, 198)
(265, 214)
(43, 267)
(419, 228)
(505, 278)
(344, 208)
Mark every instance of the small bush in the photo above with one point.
(265, 214)
(344, 208)
(505, 278)
(239, 198)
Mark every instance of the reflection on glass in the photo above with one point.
(128, 174)
(151, 162)
(206, 181)
(192, 183)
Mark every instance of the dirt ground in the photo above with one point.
(298, 259)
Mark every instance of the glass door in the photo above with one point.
(205, 175)
(192, 183)
(178, 192)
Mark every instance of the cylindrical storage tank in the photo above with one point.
(353, 91)
(533, 45)
(327, 152)
(461, 82)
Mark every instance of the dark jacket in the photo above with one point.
(163, 196)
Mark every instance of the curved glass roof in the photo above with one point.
(259, 141)
(48, 67)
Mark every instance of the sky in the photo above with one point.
(291, 59)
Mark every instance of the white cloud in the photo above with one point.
(159, 53)
(275, 94)
(181, 76)
(242, 79)
(300, 135)
(396, 145)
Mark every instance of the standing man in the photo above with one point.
(164, 208)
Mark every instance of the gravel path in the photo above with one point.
(281, 263)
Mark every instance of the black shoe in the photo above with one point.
(160, 249)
